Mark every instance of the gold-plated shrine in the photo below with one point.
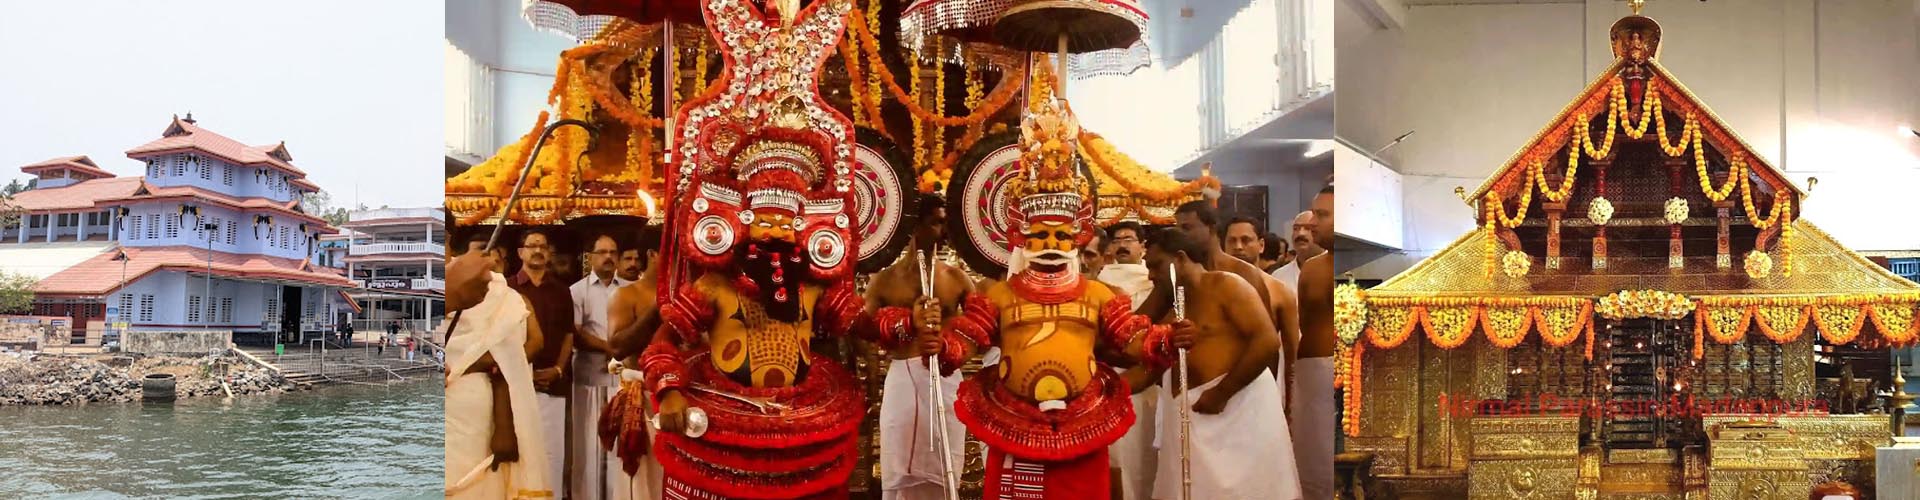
(1642, 314)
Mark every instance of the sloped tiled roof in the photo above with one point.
(80, 163)
(81, 195)
(183, 135)
(101, 274)
(1822, 267)
(287, 208)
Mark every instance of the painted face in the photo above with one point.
(1050, 236)
(771, 226)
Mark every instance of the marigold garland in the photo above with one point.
(1781, 205)
(1449, 327)
(1583, 139)
(1356, 380)
(1649, 108)
(1839, 324)
(1388, 327)
(1135, 179)
(1560, 326)
(1496, 208)
(1492, 243)
(1736, 172)
(1783, 324)
(1895, 322)
(1555, 194)
(1727, 325)
(1506, 326)
(1688, 129)
(1002, 94)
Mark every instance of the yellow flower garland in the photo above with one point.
(1560, 194)
(1839, 324)
(1783, 324)
(1727, 325)
(1496, 208)
(1895, 322)
(1736, 172)
(1560, 326)
(1388, 327)
(1506, 326)
(1349, 312)
(1449, 327)
(1356, 380)
(1781, 205)
(1649, 108)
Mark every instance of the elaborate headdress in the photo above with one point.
(1050, 187)
(762, 140)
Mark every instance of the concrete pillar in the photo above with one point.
(51, 218)
(81, 233)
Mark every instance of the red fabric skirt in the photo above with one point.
(676, 490)
(1080, 478)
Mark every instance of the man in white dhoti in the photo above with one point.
(494, 449)
(910, 464)
(1314, 411)
(552, 305)
(595, 472)
(1133, 454)
(1236, 441)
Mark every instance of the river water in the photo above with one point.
(335, 442)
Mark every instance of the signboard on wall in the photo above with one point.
(390, 284)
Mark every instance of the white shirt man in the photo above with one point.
(594, 471)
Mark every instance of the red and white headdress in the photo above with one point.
(761, 139)
(1050, 187)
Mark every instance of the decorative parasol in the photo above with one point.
(581, 19)
(1104, 37)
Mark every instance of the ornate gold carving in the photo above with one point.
(1521, 479)
(1796, 370)
(1489, 371)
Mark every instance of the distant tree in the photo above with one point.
(9, 212)
(320, 204)
(15, 187)
(16, 293)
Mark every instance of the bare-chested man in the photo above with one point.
(909, 470)
(1314, 396)
(1236, 400)
(633, 315)
(1198, 220)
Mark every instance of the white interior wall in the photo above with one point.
(1477, 81)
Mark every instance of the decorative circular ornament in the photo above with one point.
(1676, 210)
(979, 204)
(1600, 211)
(700, 205)
(1758, 264)
(1516, 263)
(826, 248)
(883, 202)
(745, 216)
(712, 235)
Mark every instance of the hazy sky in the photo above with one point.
(352, 86)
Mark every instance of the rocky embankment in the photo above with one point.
(64, 380)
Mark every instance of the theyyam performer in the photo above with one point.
(758, 260)
(1049, 409)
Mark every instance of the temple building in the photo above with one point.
(397, 260)
(211, 236)
(1641, 313)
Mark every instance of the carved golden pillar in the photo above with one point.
(1676, 183)
(1524, 457)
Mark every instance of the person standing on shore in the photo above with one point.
(494, 446)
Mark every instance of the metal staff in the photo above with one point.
(1186, 394)
(939, 421)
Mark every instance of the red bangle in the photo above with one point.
(893, 323)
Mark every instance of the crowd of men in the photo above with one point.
(1262, 363)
